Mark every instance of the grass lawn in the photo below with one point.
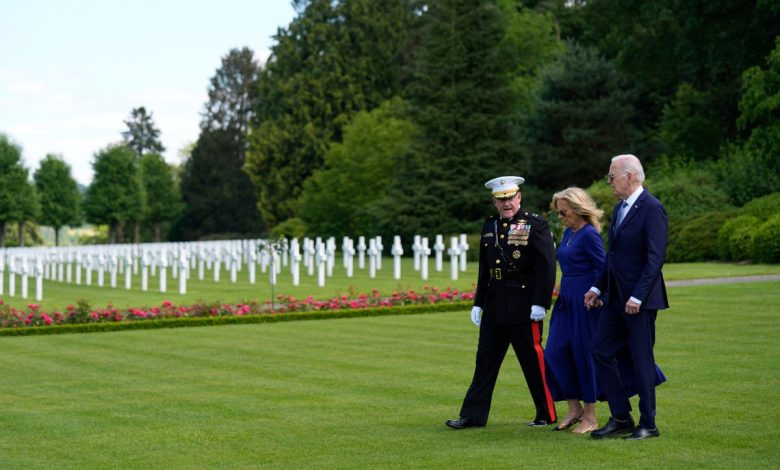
(375, 392)
(58, 295)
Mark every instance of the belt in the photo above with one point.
(496, 273)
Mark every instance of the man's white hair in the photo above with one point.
(632, 165)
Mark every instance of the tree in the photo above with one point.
(218, 196)
(59, 194)
(14, 194)
(661, 44)
(752, 169)
(115, 195)
(339, 199)
(141, 135)
(231, 97)
(584, 114)
(162, 199)
(333, 60)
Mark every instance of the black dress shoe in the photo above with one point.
(463, 423)
(540, 422)
(614, 428)
(642, 433)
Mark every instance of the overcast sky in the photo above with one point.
(72, 70)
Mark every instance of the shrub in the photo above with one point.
(734, 238)
(765, 245)
(763, 207)
(290, 228)
(695, 239)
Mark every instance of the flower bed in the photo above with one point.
(167, 314)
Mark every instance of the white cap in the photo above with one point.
(505, 186)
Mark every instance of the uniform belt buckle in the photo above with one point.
(497, 273)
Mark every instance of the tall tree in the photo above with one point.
(30, 209)
(584, 114)
(115, 195)
(162, 198)
(59, 194)
(661, 44)
(218, 197)
(231, 97)
(464, 100)
(333, 60)
(141, 135)
(13, 185)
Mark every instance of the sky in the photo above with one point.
(71, 71)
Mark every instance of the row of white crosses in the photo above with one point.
(105, 264)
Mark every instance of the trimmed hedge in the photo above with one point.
(763, 207)
(735, 236)
(696, 238)
(765, 246)
(236, 320)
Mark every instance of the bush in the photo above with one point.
(734, 238)
(765, 246)
(696, 239)
(290, 228)
(687, 191)
(763, 207)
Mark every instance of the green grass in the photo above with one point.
(58, 295)
(374, 392)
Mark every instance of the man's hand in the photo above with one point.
(632, 308)
(537, 313)
(591, 299)
(476, 315)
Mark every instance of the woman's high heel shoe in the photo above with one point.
(584, 429)
(565, 426)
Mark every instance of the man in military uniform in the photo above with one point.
(514, 291)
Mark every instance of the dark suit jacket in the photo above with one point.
(636, 255)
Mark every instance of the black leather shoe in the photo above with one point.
(642, 433)
(463, 423)
(614, 428)
(540, 422)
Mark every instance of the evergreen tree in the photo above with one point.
(333, 60)
(13, 185)
(141, 135)
(231, 97)
(464, 101)
(218, 196)
(162, 199)
(59, 194)
(583, 116)
(115, 195)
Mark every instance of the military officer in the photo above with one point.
(514, 291)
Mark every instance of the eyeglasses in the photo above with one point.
(611, 177)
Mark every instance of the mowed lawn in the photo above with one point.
(375, 392)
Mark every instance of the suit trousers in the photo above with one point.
(494, 340)
(616, 330)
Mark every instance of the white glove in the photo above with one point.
(537, 313)
(476, 315)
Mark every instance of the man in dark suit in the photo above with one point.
(514, 290)
(635, 291)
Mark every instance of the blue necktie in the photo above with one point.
(621, 213)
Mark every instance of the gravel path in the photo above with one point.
(724, 280)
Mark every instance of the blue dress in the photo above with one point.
(571, 370)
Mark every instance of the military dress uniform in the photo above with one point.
(516, 270)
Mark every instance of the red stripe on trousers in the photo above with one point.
(540, 358)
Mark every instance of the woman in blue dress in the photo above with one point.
(571, 373)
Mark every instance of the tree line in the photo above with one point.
(385, 118)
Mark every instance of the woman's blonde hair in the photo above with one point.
(581, 203)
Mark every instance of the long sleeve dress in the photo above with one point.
(571, 372)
